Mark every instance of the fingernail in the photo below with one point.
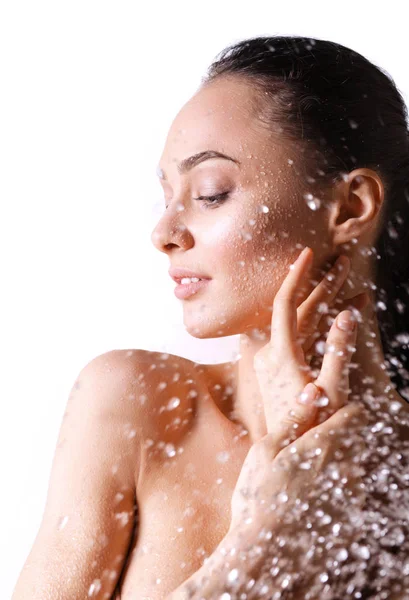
(346, 321)
(309, 394)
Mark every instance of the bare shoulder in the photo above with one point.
(90, 512)
(169, 387)
(165, 391)
(154, 395)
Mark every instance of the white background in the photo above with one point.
(88, 92)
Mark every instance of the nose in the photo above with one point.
(170, 231)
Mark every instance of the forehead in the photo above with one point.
(221, 116)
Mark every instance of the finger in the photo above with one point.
(309, 313)
(330, 390)
(284, 333)
(359, 302)
(345, 420)
(334, 375)
(287, 428)
(341, 265)
(336, 443)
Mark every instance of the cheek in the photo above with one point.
(220, 231)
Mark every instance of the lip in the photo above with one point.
(177, 274)
(184, 290)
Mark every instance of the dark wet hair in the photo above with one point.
(348, 113)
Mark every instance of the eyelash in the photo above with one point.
(213, 200)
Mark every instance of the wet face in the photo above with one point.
(246, 240)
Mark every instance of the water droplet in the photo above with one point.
(94, 588)
(170, 450)
(222, 457)
(342, 555)
(360, 551)
(336, 528)
(312, 202)
(173, 403)
(333, 472)
(233, 575)
(119, 497)
(395, 407)
(320, 347)
(62, 523)
(122, 517)
(282, 497)
(322, 401)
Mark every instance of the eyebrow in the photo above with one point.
(188, 163)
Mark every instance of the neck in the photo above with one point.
(367, 375)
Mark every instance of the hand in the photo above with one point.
(283, 375)
(312, 314)
(283, 367)
(298, 513)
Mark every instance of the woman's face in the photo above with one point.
(247, 241)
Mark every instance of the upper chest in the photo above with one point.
(184, 513)
(189, 468)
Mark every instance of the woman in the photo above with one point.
(314, 133)
(289, 144)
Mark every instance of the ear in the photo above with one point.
(356, 205)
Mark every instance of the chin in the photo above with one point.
(208, 328)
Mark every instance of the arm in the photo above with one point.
(87, 524)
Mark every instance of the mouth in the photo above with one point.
(184, 290)
(179, 274)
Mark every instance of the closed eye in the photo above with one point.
(212, 200)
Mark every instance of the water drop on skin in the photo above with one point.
(312, 202)
(94, 588)
(62, 523)
(170, 450)
(173, 403)
(282, 497)
(233, 575)
(322, 401)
